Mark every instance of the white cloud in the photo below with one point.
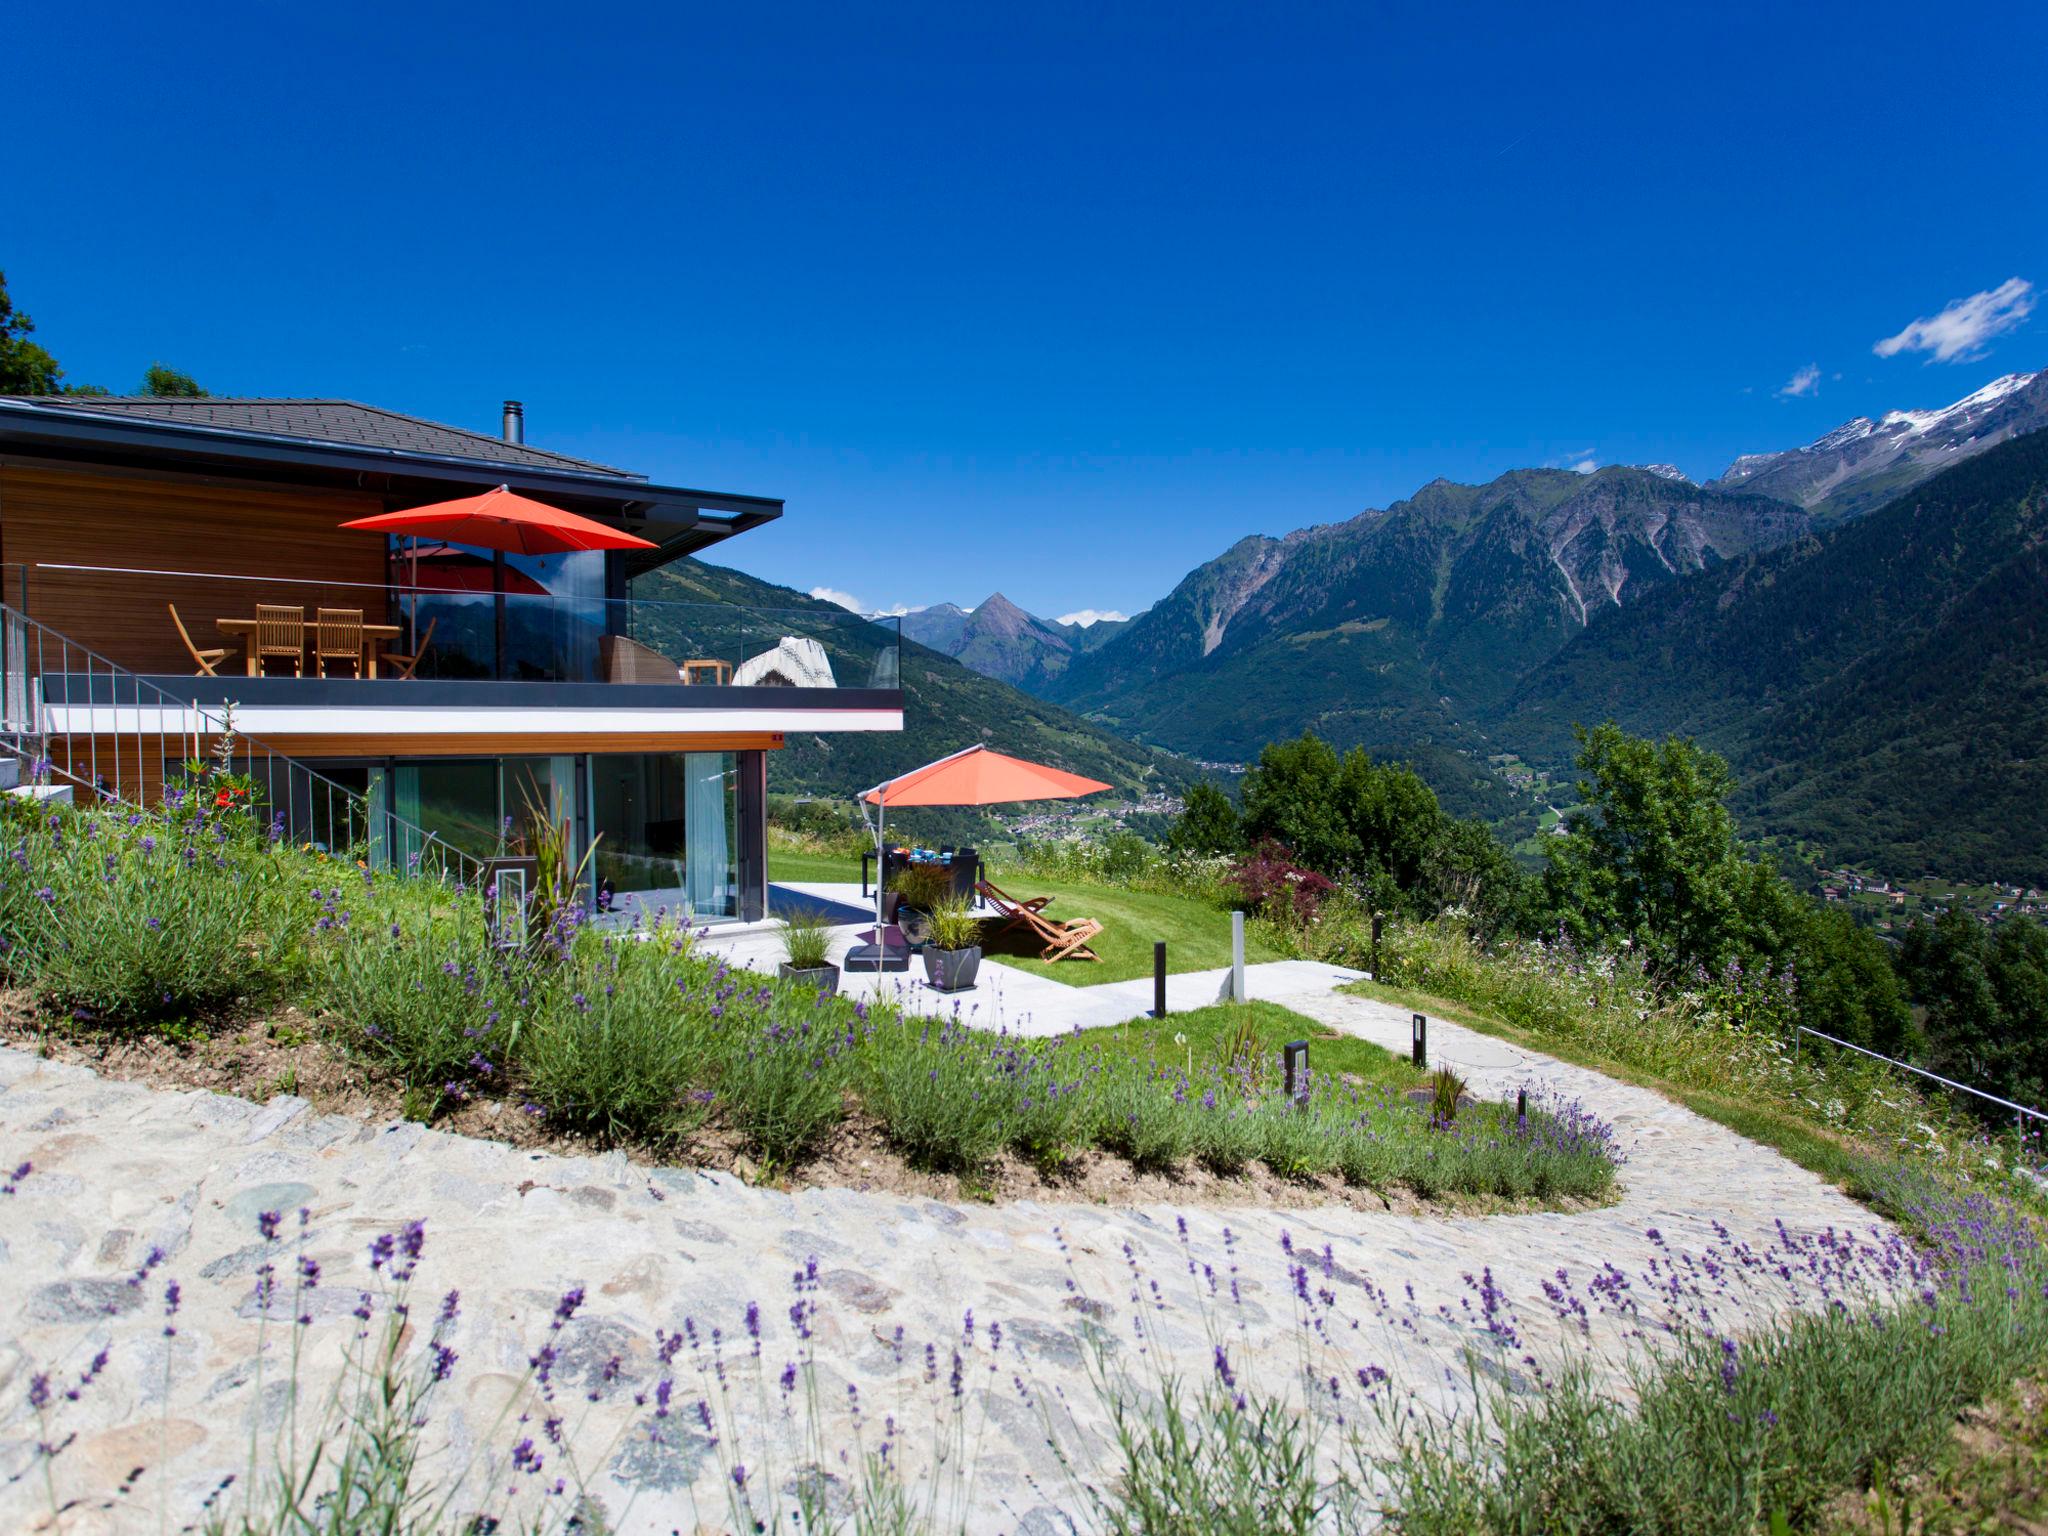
(1803, 383)
(848, 600)
(1585, 466)
(1087, 616)
(1959, 332)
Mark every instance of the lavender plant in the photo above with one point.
(121, 918)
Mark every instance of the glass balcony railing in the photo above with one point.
(455, 624)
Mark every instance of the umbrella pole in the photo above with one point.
(881, 874)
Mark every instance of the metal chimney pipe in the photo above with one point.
(515, 422)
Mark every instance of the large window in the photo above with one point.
(532, 618)
(667, 825)
(482, 807)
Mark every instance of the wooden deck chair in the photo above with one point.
(338, 636)
(206, 660)
(1063, 940)
(281, 636)
(405, 666)
(1004, 902)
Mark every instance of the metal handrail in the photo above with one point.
(23, 716)
(1907, 1066)
(828, 612)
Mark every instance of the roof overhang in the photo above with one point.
(679, 520)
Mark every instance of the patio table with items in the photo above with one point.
(964, 865)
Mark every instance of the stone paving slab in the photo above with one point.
(120, 1167)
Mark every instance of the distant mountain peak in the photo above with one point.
(1865, 461)
(1669, 472)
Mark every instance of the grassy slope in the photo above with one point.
(1839, 1160)
(1206, 1031)
(1197, 936)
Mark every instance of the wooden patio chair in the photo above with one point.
(1003, 901)
(338, 636)
(207, 659)
(281, 636)
(405, 666)
(1063, 940)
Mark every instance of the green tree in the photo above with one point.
(1847, 986)
(1290, 795)
(1468, 867)
(1392, 817)
(1651, 855)
(1984, 997)
(166, 383)
(1207, 824)
(25, 368)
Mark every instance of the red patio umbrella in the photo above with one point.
(502, 519)
(973, 776)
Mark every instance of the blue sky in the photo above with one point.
(1056, 300)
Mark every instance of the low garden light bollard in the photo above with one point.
(1159, 979)
(1294, 1058)
(1237, 957)
(1418, 1041)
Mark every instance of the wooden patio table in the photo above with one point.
(245, 631)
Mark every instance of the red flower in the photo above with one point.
(224, 798)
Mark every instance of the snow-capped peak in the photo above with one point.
(1669, 472)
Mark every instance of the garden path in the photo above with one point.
(119, 1168)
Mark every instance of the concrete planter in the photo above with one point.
(952, 970)
(825, 978)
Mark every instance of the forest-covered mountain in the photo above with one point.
(1881, 688)
(946, 706)
(1393, 629)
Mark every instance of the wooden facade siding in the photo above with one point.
(76, 515)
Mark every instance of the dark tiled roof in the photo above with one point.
(324, 421)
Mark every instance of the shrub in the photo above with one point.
(938, 1093)
(1295, 1143)
(1145, 1114)
(124, 918)
(615, 1047)
(1227, 1134)
(1268, 881)
(1048, 1092)
(422, 994)
(786, 1057)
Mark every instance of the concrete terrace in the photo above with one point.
(1003, 997)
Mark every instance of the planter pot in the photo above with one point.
(952, 970)
(825, 978)
(915, 926)
(892, 903)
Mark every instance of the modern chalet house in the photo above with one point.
(169, 567)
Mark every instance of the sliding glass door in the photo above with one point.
(667, 829)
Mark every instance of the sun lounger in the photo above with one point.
(1063, 940)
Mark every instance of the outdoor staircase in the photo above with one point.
(151, 735)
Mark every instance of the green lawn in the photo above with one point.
(1209, 1030)
(1197, 936)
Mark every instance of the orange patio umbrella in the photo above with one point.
(972, 776)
